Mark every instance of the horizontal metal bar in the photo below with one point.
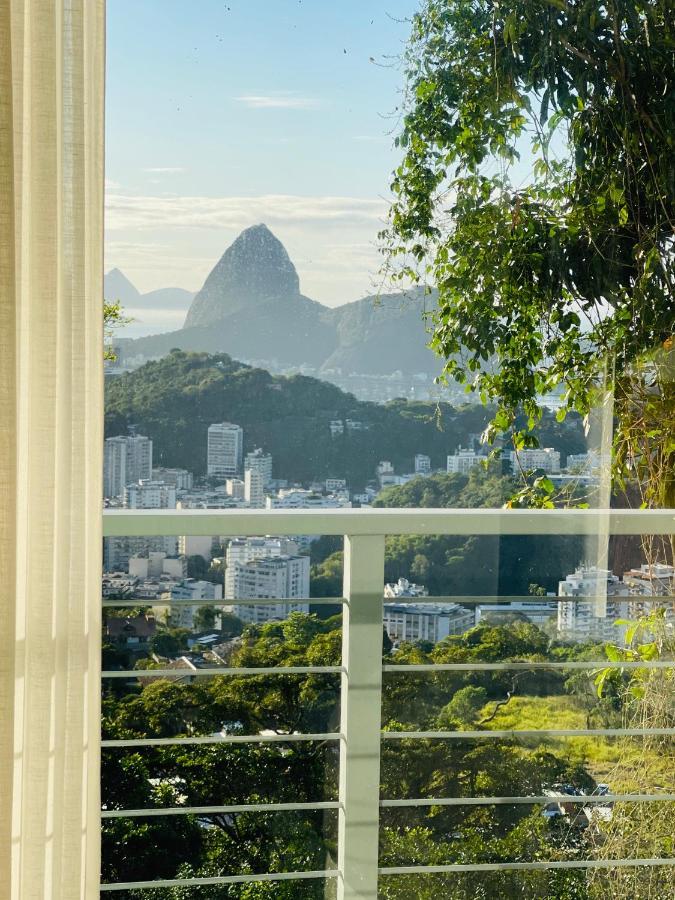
(529, 733)
(217, 879)
(506, 600)
(232, 523)
(536, 800)
(243, 601)
(506, 666)
(384, 804)
(220, 739)
(223, 670)
(218, 810)
(503, 867)
(461, 599)
(209, 671)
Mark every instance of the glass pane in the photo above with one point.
(143, 849)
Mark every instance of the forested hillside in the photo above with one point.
(173, 400)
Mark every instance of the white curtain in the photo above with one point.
(51, 225)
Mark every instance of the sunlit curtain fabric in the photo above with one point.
(51, 200)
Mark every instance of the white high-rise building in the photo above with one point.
(126, 458)
(243, 550)
(225, 447)
(278, 578)
(592, 618)
(545, 458)
(422, 464)
(254, 488)
(259, 461)
(461, 462)
(150, 495)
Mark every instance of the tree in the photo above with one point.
(113, 318)
(204, 618)
(464, 706)
(169, 641)
(565, 279)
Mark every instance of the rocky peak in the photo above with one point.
(254, 269)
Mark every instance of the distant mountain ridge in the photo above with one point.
(116, 286)
(251, 306)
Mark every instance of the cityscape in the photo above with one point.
(278, 569)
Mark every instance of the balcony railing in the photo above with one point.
(360, 736)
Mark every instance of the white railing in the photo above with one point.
(360, 734)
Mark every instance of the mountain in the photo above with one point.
(251, 306)
(161, 310)
(254, 270)
(116, 286)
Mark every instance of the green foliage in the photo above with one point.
(464, 707)
(565, 279)
(204, 618)
(214, 775)
(113, 319)
(169, 641)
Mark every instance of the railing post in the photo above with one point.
(361, 701)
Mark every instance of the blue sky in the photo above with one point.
(221, 115)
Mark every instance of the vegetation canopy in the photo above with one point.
(536, 192)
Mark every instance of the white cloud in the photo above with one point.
(164, 170)
(151, 212)
(162, 241)
(277, 101)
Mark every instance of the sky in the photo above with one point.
(224, 115)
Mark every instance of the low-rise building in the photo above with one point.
(133, 632)
(201, 592)
(150, 495)
(426, 621)
(154, 564)
(545, 459)
(405, 588)
(181, 479)
(422, 464)
(298, 498)
(384, 473)
(462, 461)
(538, 610)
